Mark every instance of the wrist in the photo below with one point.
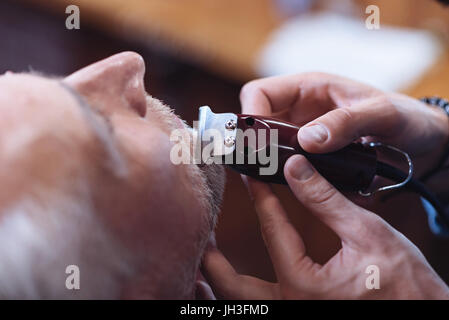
(438, 172)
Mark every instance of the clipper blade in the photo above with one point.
(216, 133)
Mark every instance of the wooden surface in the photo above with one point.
(226, 36)
(222, 40)
(424, 14)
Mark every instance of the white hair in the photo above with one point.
(38, 241)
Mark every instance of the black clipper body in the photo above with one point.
(352, 168)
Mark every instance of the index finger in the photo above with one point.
(283, 242)
(279, 94)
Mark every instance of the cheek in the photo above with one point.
(166, 215)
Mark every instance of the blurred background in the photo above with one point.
(201, 52)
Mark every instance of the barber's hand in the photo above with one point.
(335, 111)
(366, 240)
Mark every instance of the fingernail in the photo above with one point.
(315, 134)
(203, 291)
(301, 169)
(245, 180)
(212, 242)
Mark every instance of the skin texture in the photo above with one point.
(343, 111)
(98, 129)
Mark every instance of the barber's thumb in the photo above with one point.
(323, 200)
(313, 137)
(309, 187)
(330, 132)
(298, 169)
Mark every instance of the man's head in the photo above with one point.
(85, 164)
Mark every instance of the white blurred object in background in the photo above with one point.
(293, 7)
(390, 58)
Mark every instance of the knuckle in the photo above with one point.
(378, 227)
(344, 115)
(249, 88)
(268, 229)
(384, 100)
(317, 75)
(386, 108)
(323, 194)
(345, 119)
(384, 103)
(361, 227)
(270, 219)
(265, 202)
(374, 232)
(271, 228)
(391, 113)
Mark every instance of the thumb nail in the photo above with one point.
(313, 134)
(300, 168)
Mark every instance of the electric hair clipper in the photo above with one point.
(259, 147)
(246, 144)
